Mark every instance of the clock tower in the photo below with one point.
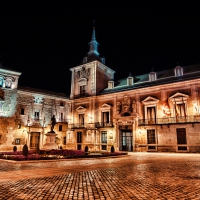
(92, 75)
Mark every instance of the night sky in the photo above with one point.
(45, 41)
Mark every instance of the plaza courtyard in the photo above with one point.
(135, 176)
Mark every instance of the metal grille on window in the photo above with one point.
(104, 137)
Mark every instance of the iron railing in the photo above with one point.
(90, 125)
(103, 124)
(170, 120)
(61, 120)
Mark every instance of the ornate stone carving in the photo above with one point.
(166, 109)
(126, 102)
(24, 99)
(84, 72)
(134, 106)
(48, 102)
(119, 107)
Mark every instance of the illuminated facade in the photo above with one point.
(158, 111)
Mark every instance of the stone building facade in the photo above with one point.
(158, 111)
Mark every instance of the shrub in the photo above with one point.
(38, 149)
(25, 150)
(112, 149)
(14, 148)
(86, 150)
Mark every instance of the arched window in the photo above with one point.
(8, 83)
(178, 71)
(1, 82)
(130, 81)
(152, 76)
(110, 84)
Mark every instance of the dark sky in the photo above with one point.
(45, 41)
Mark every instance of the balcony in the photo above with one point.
(103, 124)
(170, 120)
(77, 126)
(90, 125)
(61, 120)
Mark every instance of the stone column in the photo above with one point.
(72, 84)
(195, 101)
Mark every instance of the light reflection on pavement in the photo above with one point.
(136, 176)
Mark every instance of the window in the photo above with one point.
(17, 141)
(181, 136)
(22, 111)
(81, 119)
(61, 104)
(60, 127)
(61, 117)
(103, 147)
(150, 109)
(151, 115)
(64, 140)
(130, 81)
(82, 90)
(152, 76)
(104, 137)
(180, 110)
(8, 83)
(85, 59)
(103, 60)
(79, 137)
(37, 115)
(151, 138)
(1, 82)
(38, 100)
(110, 84)
(105, 118)
(178, 71)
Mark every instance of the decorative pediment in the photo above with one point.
(105, 106)
(179, 97)
(81, 109)
(150, 101)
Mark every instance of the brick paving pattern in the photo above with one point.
(137, 176)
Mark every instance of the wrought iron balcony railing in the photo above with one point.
(77, 125)
(103, 124)
(61, 120)
(170, 120)
(90, 125)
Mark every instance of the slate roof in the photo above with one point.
(163, 77)
(44, 92)
(91, 58)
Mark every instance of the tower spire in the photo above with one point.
(93, 43)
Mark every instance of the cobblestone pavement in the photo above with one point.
(136, 176)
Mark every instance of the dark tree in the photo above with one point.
(25, 150)
(14, 148)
